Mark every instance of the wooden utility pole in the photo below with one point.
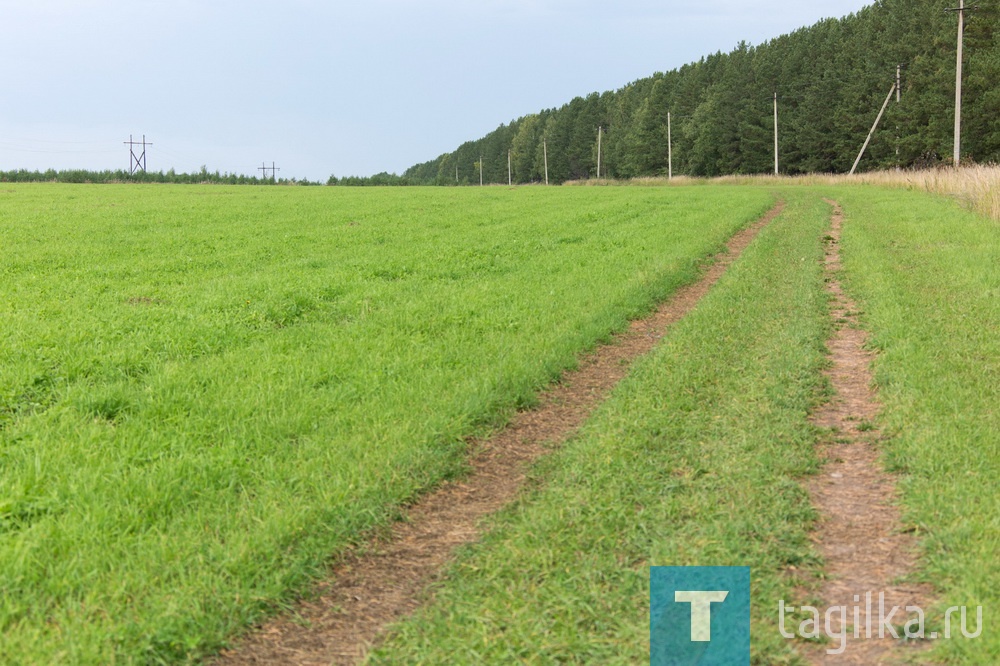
(599, 131)
(899, 80)
(670, 151)
(961, 9)
(958, 83)
(775, 133)
(545, 155)
(510, 177)
(480, 171)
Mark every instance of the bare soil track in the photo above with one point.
(389, 578)
(860, 535)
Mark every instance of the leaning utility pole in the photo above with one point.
(874, 127)
(961, 9)
(136, 162)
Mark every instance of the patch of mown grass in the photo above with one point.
(927, 275)
(694, 460)
(205, 392)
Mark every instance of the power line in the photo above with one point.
(15, 148)
(27, 140)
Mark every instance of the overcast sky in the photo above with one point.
(323, 87)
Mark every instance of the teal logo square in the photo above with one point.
(699, 616)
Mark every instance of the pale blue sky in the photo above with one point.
(326, 88)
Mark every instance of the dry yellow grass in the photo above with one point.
(976, 186)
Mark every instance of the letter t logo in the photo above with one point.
(701, 611)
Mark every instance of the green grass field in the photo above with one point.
(207, 392)
(696, 458)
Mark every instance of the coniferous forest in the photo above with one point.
(831, 79)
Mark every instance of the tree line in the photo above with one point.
(199, 177)
(830, 80)
(122, 176)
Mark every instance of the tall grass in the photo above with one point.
(976, 187)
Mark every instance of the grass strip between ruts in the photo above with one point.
(694, 460)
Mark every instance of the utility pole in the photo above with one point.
(899, 86)
(510, 178)
(775, 133)
(136, 162)
(545, 154)
(273, 169)
(599, 132)
(480, 171)
(961, 9)
(670, 151)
